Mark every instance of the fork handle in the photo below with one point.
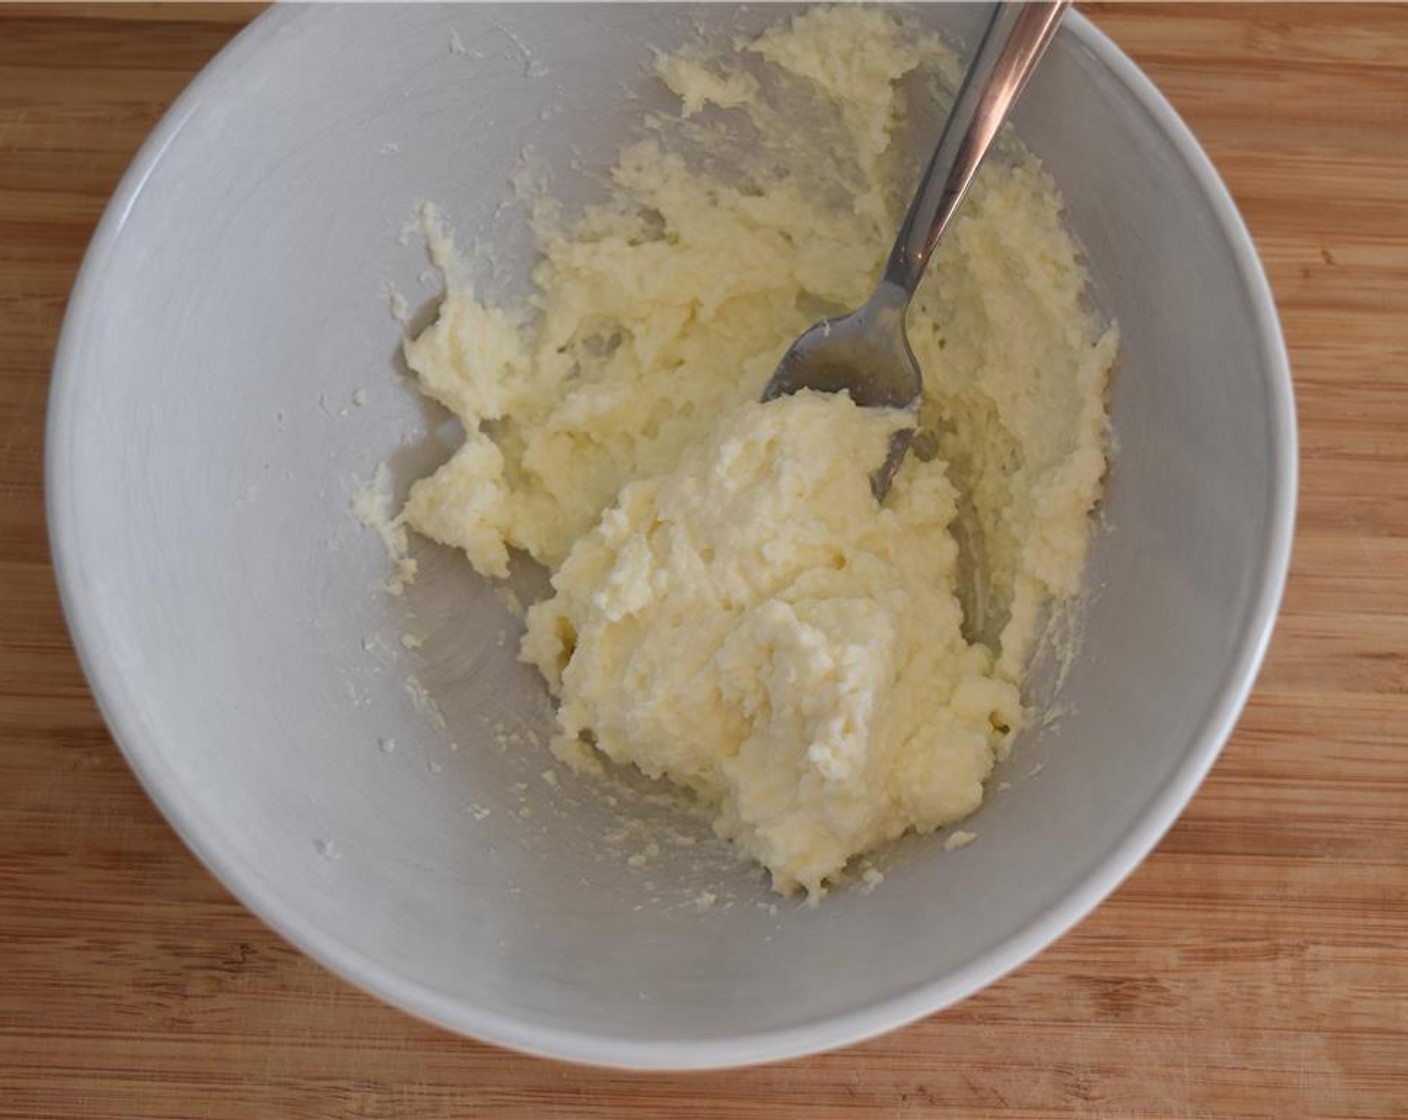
(1016, 37)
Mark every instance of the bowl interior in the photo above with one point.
(205, 442)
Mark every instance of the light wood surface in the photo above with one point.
(1255, 965)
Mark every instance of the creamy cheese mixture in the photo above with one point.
(731, 609)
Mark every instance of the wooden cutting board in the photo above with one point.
(1255, 965)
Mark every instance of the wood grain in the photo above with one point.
(1255, 965)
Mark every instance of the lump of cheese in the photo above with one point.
(755, 627)
(732, 610)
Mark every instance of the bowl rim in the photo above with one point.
(1127, 852)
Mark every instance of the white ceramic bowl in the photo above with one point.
(204, 441)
